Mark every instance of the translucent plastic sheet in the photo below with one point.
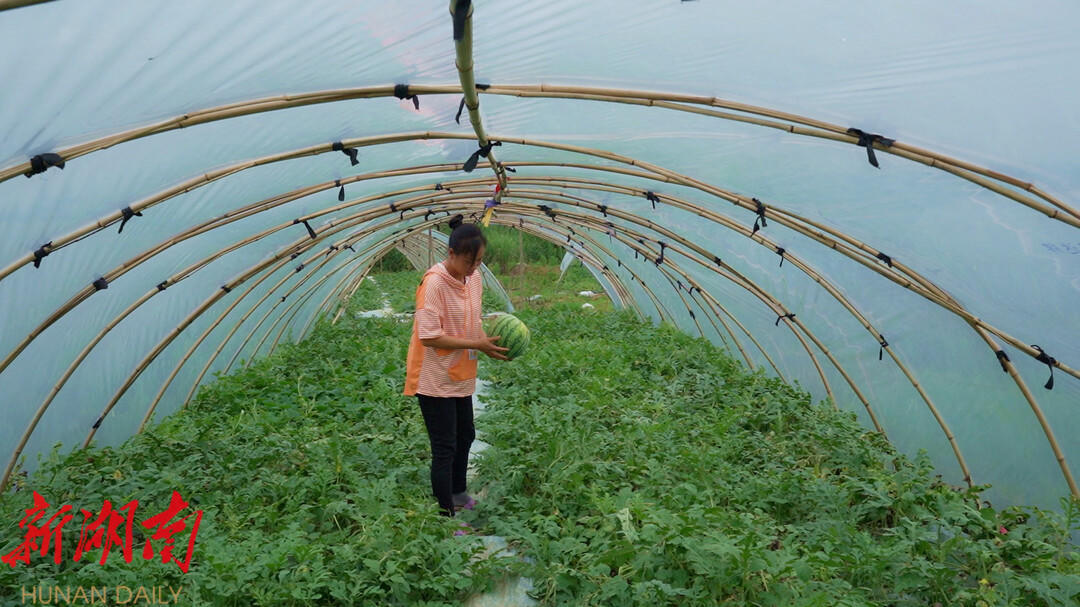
(985, 82)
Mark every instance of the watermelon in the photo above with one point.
(514, 333)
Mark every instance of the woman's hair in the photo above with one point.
(466, 238)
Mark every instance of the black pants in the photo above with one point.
(450, 430)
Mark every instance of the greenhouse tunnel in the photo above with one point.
(891, 225)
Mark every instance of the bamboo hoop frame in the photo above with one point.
(938, 416)
(764, 298)
(481, 193)
(621, 292)
(1039, 415)
(311, 272)
(858, 251)
(390, 239)
(190, 319)
(959, 168)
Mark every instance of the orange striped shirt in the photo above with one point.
(444, 306)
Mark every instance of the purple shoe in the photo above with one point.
(463, 501)
(466, 529)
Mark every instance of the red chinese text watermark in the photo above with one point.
(102, 530)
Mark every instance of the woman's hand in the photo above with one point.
(487, 345)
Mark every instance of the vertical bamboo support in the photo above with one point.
(464, 62)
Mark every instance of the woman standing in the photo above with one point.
(441, 364)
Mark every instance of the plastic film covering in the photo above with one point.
(886, 287)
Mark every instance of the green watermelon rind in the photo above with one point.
(515, 335)
(494, 329)
(503, 323)
(515, 342)
(520, 341)
(511, 333)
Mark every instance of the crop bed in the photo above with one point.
(633, 464)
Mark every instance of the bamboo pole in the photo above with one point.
(1030, 398)
(341, 300)
(810, 127)
(976, 174)
(869, 260)
(464, 63)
